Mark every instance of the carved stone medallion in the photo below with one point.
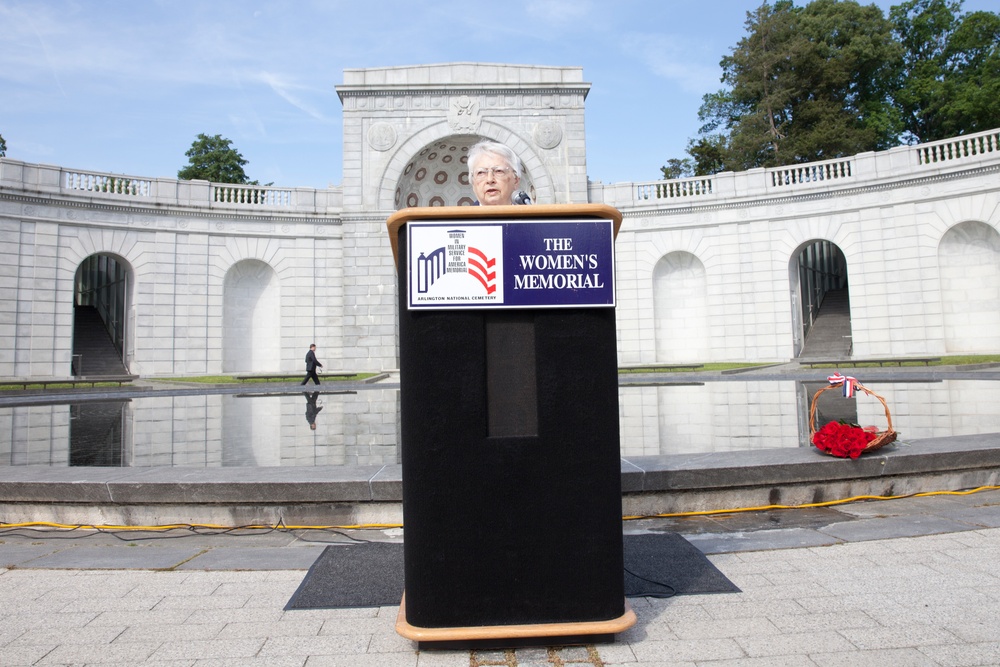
(548, 134)
(381, 136)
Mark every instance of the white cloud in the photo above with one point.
(287, 91)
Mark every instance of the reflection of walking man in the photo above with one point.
(311, 365)
(311, 408)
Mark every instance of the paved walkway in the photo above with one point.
(913, 581)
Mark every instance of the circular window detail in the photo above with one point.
(420, 174)
(441, 177)
(436, 200)
(412, 199)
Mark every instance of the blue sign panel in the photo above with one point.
(523, 264)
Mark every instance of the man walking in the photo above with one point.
(311, 365)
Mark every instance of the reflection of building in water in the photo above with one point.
(363, 428)
(35, 435)
(96, 434)
(935, 409)
(711, 417)
(199, 278)
(204, 431)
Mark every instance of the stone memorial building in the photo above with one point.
(198, 278)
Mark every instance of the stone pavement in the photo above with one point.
(912, 581)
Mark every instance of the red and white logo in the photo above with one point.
(454, 266)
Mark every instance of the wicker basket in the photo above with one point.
(882, 438)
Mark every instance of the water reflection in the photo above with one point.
(339, 428)
(362, 428)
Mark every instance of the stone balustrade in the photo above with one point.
(953, 153)
(119, 185)
(51, 180)
(812, 172)
(251, 195)
(958, 148)
(948, 154)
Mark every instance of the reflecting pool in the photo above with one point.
(362, 427)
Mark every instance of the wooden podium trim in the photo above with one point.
(512, 212)
(489, 632)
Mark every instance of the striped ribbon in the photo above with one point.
(847, 380)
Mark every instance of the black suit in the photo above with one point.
(311, 408)
(311, 365)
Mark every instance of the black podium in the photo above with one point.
(509, 424)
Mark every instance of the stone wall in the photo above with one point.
(920, 239)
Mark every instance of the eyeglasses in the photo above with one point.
(498, 172)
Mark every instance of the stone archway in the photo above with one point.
(102, 296)
(820, 300)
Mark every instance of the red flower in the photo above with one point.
(843, 440)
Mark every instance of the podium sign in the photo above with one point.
(504, 264)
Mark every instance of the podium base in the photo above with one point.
(509, 636)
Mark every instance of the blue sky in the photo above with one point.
(125, 87)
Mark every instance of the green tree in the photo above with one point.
(677, 168)
(805, 84)
(709, 154)
(951, 67)
(3, 147)
(214, 159)
(750, 112)
(846, 73)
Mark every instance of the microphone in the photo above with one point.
(520, 197)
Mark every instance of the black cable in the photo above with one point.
(669, 593)
(126, 535)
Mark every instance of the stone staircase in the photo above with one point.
(94, 352)
(830, 335)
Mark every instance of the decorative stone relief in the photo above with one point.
(463, 114)
(381, 136)
(548, 134)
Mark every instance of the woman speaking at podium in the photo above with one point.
(495, 173)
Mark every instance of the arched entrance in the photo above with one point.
(821, 310)
(251, 329)
(438, 175)
(101, 302)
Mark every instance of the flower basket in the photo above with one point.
(847, 440)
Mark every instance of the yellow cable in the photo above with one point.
(383, 526)
(827, 503)
(174, 526)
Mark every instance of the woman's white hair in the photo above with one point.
(494, 148)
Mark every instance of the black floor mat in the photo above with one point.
(371, 574)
